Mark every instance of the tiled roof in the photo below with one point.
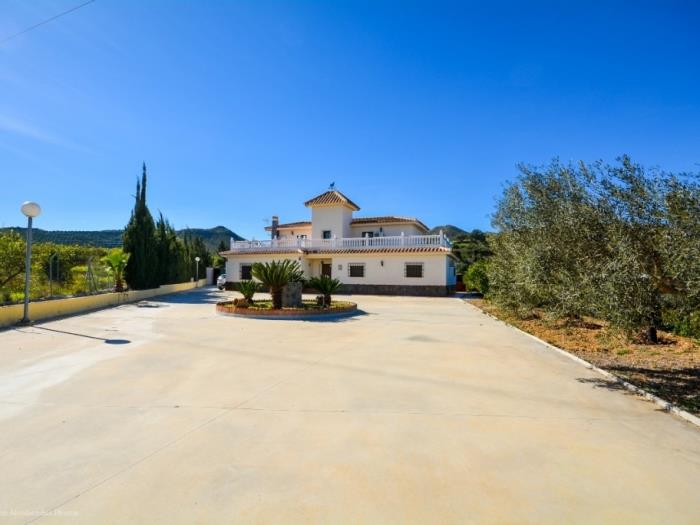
(299, 224)
(388, 219)
(330, 198)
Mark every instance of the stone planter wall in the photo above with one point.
(291, 295)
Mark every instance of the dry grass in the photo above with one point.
(670, 369)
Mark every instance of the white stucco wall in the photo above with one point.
(391, 272)
(387, 230)
(437, 268)
(450, 271)
(293, 233)
(334, 218)
(233, 264)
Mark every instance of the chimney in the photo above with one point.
(275, 224)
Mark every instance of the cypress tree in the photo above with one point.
(140, 241)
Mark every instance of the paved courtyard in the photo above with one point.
(420, 411)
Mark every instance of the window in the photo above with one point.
(246, 272)
(301, 236)
(413, 270)
(356, 269)
(326, 234)
(368, 235)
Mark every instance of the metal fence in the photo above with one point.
(54, 276)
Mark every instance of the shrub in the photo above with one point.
(248, 289)
(325, 285)
(275, 275)
(616, 242)
(476, 277)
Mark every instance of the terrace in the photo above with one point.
(439, 240)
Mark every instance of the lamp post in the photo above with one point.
(196, 279)
(30, 210)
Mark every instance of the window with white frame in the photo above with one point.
(356, 269)
(246, 272)
(413, 270)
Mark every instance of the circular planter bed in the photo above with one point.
(308, 310)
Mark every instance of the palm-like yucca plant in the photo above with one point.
(275, 275)
(116, 261)
(248, 289)
(326, 286)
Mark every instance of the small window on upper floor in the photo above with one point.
(326, 234)
(356, 269)
(368, 234)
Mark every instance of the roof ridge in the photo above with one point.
(329, 198)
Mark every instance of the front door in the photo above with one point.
(326, 268)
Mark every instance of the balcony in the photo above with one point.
(342, 243)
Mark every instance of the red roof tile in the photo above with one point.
(299, 224)
(331, 198)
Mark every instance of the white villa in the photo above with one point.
(377, 255)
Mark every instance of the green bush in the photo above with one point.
(325, 285)
(616, 242)
(248, 289)
(681, 323)
(477, 278)
(275, 275)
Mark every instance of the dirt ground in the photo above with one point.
(670, 369)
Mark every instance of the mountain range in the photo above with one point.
(113, 238)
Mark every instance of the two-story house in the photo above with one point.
(373, 255)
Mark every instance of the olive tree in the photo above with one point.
(616, 241)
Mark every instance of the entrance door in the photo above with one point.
(326, 268)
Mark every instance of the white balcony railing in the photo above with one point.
(366, 243)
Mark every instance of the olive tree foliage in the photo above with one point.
(614, 241)
(549, 238)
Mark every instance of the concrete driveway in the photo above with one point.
(421, 411)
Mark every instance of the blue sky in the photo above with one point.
(242, 110)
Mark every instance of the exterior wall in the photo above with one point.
(39, 310)
(387, 278)
(396, 289)
(293, 233)
(392, 271)
(334, 218)
(450, 271)
(233, 263)
(387, 230)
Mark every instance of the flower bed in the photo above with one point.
(264, 310)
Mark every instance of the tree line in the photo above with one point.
(154, 254)
(615, 241)
(157, 255)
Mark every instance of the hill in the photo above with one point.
(211, 236)
(451, 231)
(113, 238)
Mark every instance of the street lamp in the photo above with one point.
(196, 279)
(30, 210)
